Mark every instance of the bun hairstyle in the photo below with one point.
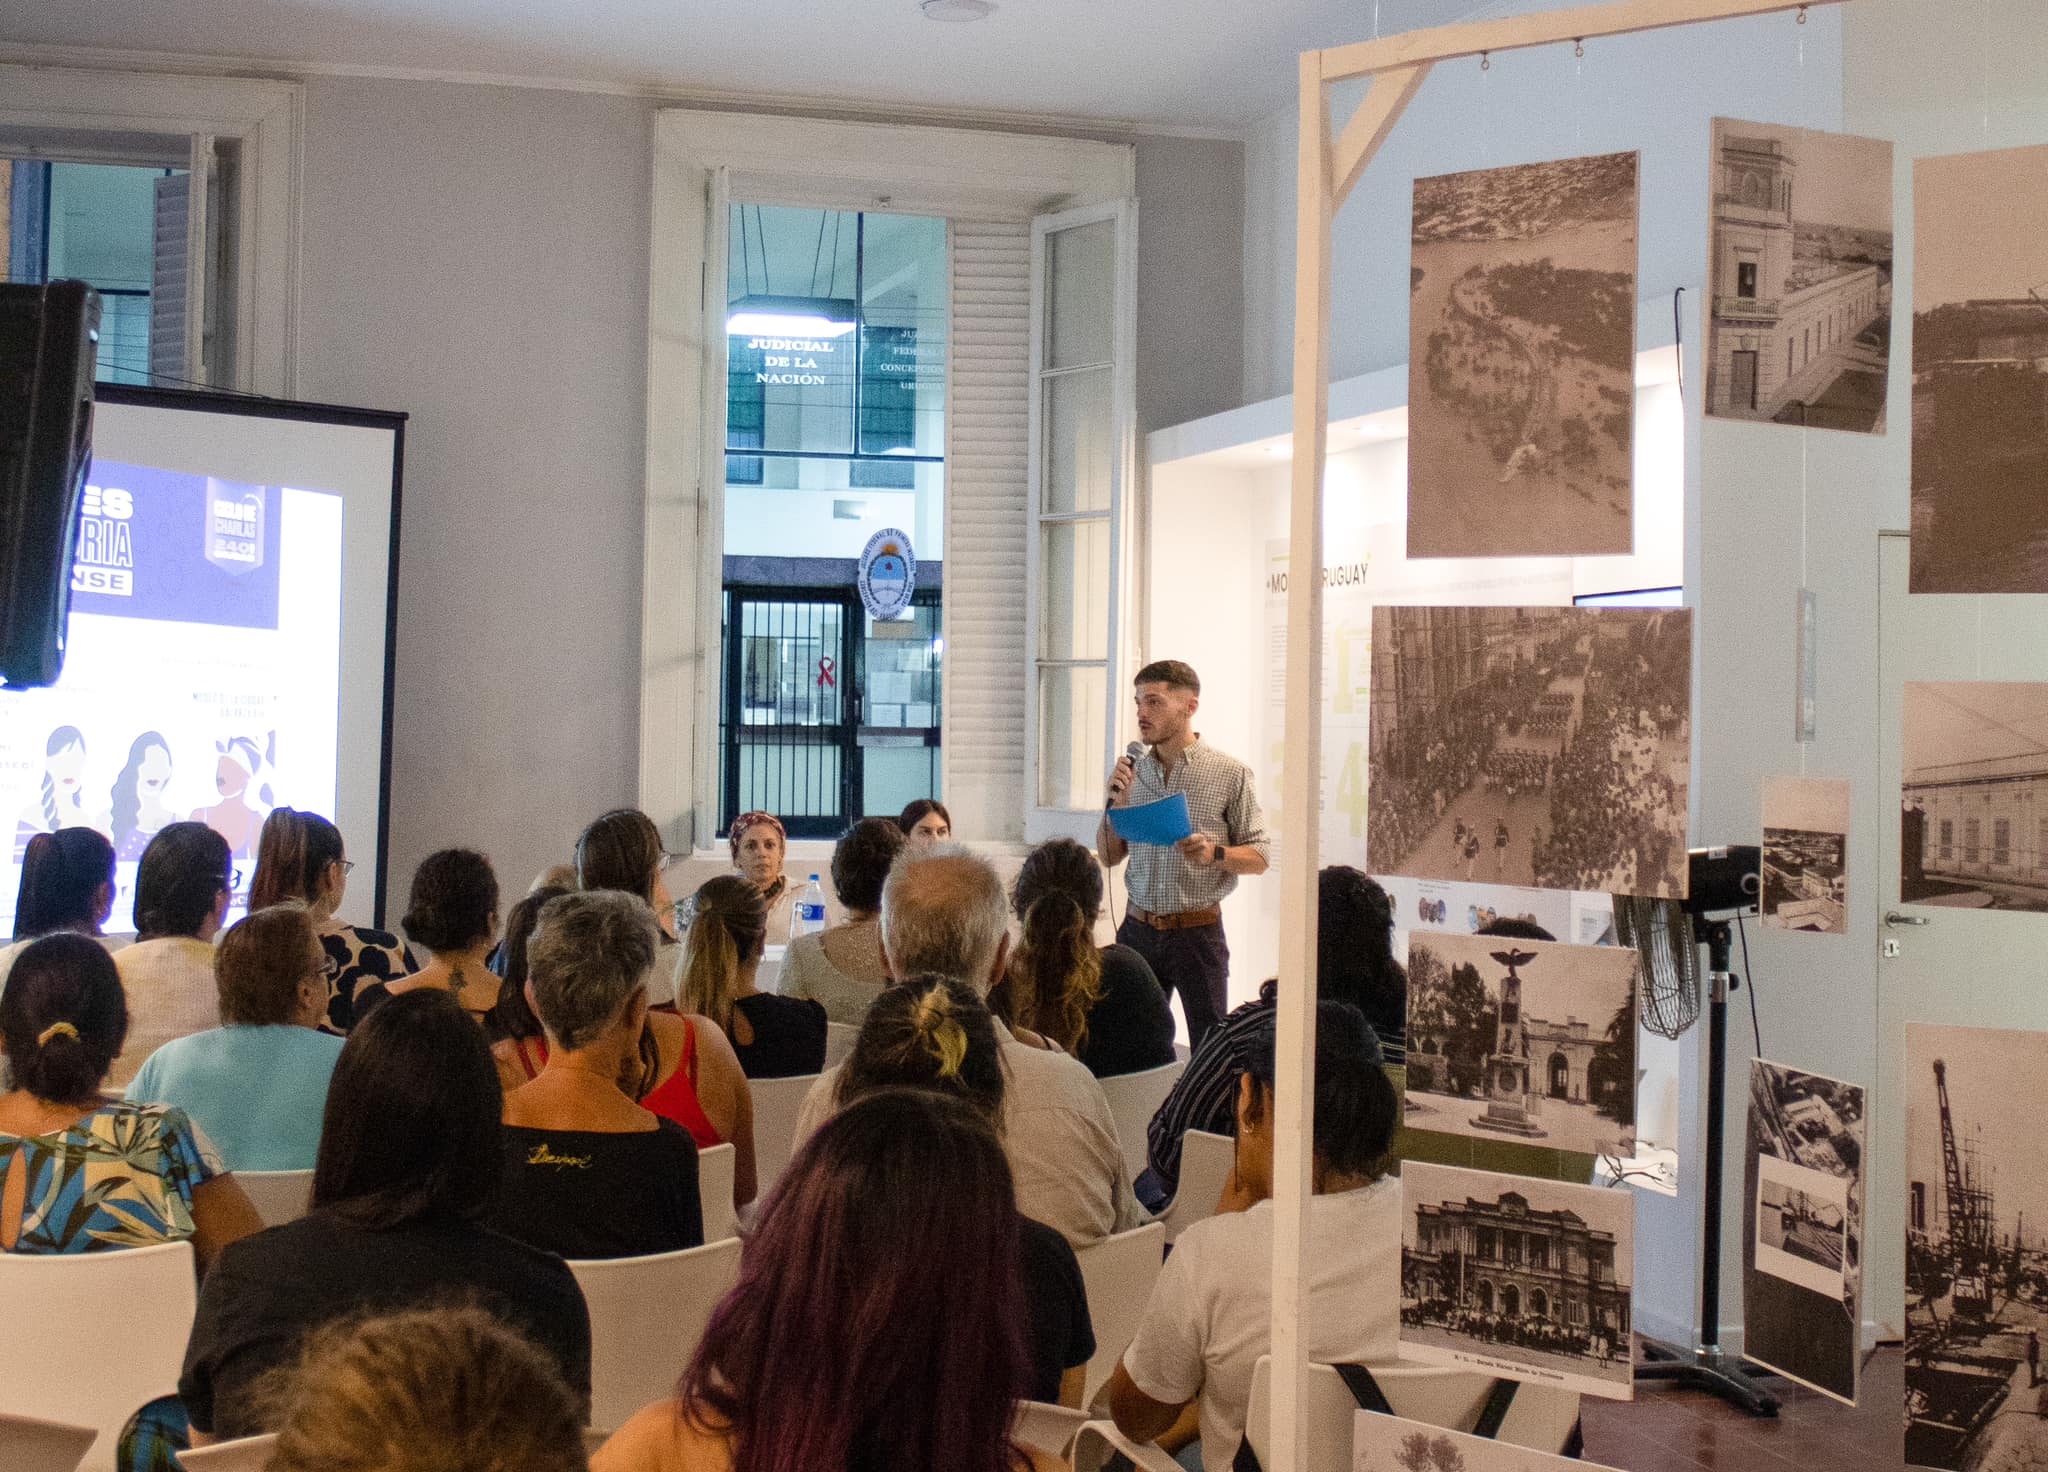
(454, 901)
(181, 876)
(728, 927)
(1054, 979)
(620, 850)
(291, 858)
(63, 1018)
(62, 876)
(931, 1032)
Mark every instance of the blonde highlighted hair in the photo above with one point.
(728, 927)
(933, 1033)
(1054, 977)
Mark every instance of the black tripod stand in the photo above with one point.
(1708, 1368)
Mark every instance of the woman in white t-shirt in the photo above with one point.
(1210, 1315)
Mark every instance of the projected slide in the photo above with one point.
(204, 674)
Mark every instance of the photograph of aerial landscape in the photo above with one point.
(1980, 373)
(1976, 1252)
(1805, 855)
(1521, 378)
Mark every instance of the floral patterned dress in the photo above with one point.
(121, 1177)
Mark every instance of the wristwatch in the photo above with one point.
(1216, 853)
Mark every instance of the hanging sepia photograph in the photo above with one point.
(1805, 855)
(1973, 819)
(1521, 371)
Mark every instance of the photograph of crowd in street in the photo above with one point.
(1524, 1040)
(1532, 746)
(1973, 821)
(1521, 378)
(1518, 1277)
(1976, 1253)
(1980, 372)
(1805, 855)
(1799, 317)
(1802, 1281)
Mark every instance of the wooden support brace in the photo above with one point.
(1388, 98)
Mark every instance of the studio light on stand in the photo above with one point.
(1666, 934)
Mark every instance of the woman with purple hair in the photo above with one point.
(892, 1238)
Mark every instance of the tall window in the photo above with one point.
(836, 333)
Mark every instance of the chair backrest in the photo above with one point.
(839, 1039)
(776, 1104)
(89, 1337)
(646, 1316)
(1205, 1163)
(279, 1196)
(1045, 1428)
(1119, 1272)
(1133, 1099)
(246, 1454)
(34, 1445)
(715, 1168)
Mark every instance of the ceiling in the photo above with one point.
(1169, 64)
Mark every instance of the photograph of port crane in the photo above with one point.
(1976, 1291)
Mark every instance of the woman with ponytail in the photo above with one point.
(67, 883)
(1103, 1006)
(300, 858)
(775, 1037)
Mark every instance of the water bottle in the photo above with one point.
(809, 916)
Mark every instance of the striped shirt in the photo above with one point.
(1221, 803)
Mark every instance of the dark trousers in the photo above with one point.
(1194, 962)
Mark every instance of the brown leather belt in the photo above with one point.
(1185, 920)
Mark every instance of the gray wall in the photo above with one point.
(1190, 279)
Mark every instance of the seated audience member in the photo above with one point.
(300, 857)
(622, 850)
(690, 1074)
(257, 1084)
(424, 1390)
(67, 884)
(517, 1040)
(182, 888)
(923, 1319)
(588, 1172)
(935, 1033)
(841, 966)
(1103, 1006)
(926, 822)
(944, 913)
(1349, 905)
(759, 845)
(410, 1157)
(775, 1037)
(78, 1174)
(452, 915)
(1209, 1317)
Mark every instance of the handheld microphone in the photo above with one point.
(1134, 750)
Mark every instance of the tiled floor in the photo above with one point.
(1665, 1430)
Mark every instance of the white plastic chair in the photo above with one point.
(839, 1039)
(1205, 1164)
(91, 1336)
(1133, 1099)
(1119, 1272)
(31, 1444)
(279, 1196)
(245, 1454)
(646, 1316)
(715, 1168)
(1047, 1428)
(777, 1102)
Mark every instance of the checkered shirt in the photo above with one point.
(1221, 803)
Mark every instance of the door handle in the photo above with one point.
(1894, 918)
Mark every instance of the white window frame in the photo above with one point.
(700, 159)
(70, 114)
(1042, 822)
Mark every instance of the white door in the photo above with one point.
(1967, 967)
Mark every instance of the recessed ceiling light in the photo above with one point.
(956, 10)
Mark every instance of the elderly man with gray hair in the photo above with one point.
(588, 1172)
(944, 912)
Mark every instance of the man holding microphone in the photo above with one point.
(1175, 920)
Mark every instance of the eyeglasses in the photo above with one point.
(232, 881)
(348, 867)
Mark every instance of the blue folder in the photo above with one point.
(1163, 823)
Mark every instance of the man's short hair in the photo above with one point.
(1175, 674)
(944, 912)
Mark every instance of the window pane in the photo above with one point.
(792, 328)
(1074, 570)
(1070, 717)
(1077, 416)
(1080, 300)
(904, 300)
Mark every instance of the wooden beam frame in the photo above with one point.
(1329, 168)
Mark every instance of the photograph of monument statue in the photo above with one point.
(1522, 1040)
(1521, 368)
(1799, 312)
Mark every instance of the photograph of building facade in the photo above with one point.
(1973, 829)
(1805, 855)
(1528, 1278)
(1799, 316)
